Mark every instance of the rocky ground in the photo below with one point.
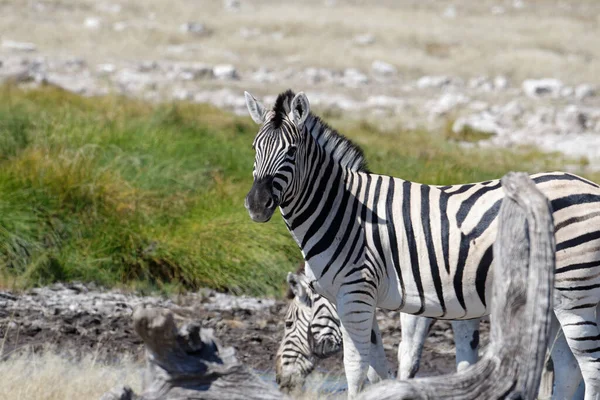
(514, 72)
(78, 320)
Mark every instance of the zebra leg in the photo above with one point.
(567, 376)
(466, 340)
(414, 332)
(356, 317)
(583, 337)
(379, 368)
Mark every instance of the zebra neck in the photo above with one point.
(320, 212)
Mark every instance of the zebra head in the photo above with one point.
(312, 328)
(276, 145)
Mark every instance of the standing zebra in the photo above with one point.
(378, 241)
(312, 329)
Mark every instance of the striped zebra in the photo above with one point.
(377, 241)
(312, 330)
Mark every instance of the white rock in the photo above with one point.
(317, 75)
(190, 71)
(231, 5)
(26, 47)
(106, 69)
(482, 122)
(571, 120)
(353, 77)
(382, 68)
(92, 23)
(500, 82)
(385, 102)
(248, 33)
(567, 91)
(512, 110)
(225, 72)
(264, 75)
(584, 90)
(518, 4)
(449, 12)
(432, 82)
(446, 103)
(197, 28)
(541, 87)
(364, 39)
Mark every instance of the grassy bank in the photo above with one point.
(122, 192)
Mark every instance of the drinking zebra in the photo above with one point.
(312, 329)
(378, 241)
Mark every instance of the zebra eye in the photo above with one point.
(288, 324)
(291, 152)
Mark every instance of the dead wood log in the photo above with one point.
(524, 254)
(188, 363)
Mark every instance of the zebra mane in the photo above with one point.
(348, 154)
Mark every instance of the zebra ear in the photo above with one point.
(298, 285)
(256, 109)
(300, 108)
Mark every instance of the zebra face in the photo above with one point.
(276, 146)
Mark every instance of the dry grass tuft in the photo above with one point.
(54, 377)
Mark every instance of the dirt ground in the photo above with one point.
(80, 321)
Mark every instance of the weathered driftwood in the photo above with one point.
(187, 363)
(521, 304)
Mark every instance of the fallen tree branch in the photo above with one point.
(188, 363)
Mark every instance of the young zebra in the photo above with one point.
(378, 241)
(312, 329)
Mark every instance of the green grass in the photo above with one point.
(122, 192)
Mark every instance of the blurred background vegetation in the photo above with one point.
(126, 193)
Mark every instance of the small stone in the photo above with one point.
(449, 12)
(92, 23)
(446, 103)
(383, 69)
(364, 39)
(432, 82)
(225, 72)
(571, 120)
(483, 122)
(542, 87)
(106, 69)
(500, 82)
(567, 91)
(353, 77)
(584, 91)
(147, 66)
(248, 33)
(263, 75)
(196, 28)
(26, 47)
(231, 5)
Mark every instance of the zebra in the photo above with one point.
(312, 330)
(372, 240)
